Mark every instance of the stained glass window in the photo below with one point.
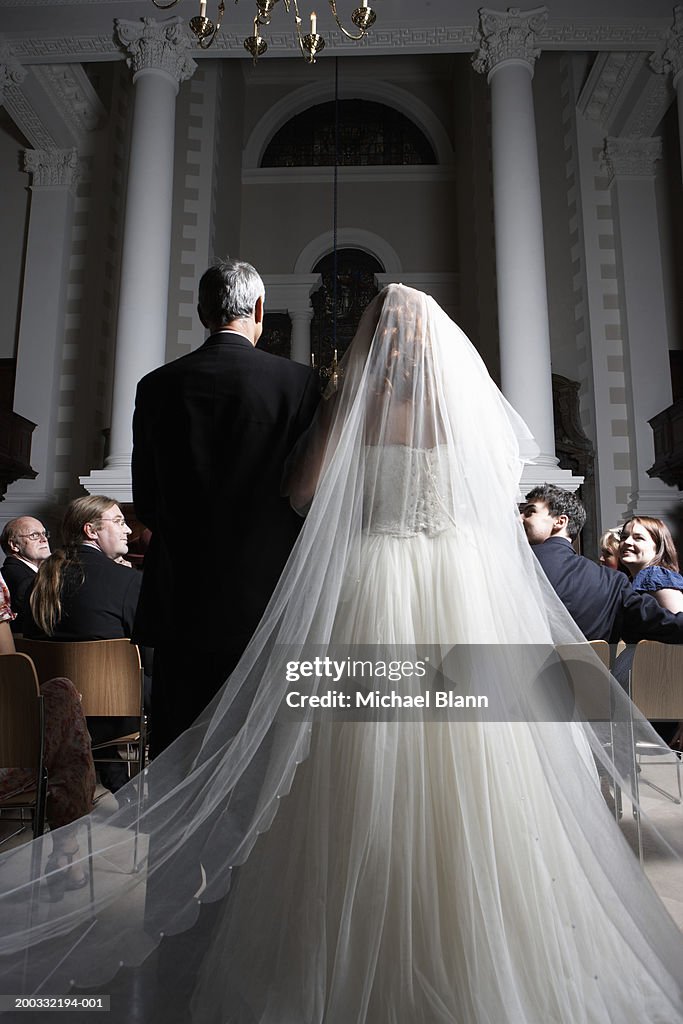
(370, 134)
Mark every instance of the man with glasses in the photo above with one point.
(25, 542)
(83, 593)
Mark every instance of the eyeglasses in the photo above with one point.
(36, 535)
(117, 521)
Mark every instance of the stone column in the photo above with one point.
(158, 57)
(631, 165)
(301, 334)
(671, 60)
(291, 293)
(507, 55)
(54, 175)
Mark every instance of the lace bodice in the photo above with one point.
(407, 491)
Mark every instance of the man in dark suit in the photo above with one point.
(25, 542)
(211, 433)
(600, 600)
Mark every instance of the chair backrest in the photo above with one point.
(21, 734)
(601, 648)
(657, 680)
(105, 672)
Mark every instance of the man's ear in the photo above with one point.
(90, 532)
(14, 547)
(561, 522)
(258, 310)
(201, 317)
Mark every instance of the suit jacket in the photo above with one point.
(211, 432)
(601, 601)
(19, 578)
(98, 603)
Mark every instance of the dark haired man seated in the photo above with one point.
(600, 601)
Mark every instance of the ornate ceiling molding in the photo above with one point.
(32, 126)
(646, 113)
(609, 79)
(12, 73)
(631, 158)
(54, 168)
(671, 57)
(508, 35)
(35, 48)
(70, 90)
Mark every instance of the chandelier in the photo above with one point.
(310, 43)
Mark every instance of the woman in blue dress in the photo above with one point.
(648, 554)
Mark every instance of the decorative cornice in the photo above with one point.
(508, 35)
(638, 35)
(11, 72)
(607, 84)
(52, 168)
(159, 46)
(650, 108)
(671, 57)
(27, 120)
(631, 158)
(642, 34)
(73, 95)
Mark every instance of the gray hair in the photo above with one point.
(229, 291)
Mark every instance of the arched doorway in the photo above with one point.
(356, 287)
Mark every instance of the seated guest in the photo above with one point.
(609, 548)
(81, 593)
(601, 602)
(69, 763)
(25, 542)
(648, 553)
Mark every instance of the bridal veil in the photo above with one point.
(411, 552)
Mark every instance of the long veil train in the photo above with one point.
(413, 860)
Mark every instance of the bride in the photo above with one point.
(420, 866)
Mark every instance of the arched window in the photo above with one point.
(370, 134)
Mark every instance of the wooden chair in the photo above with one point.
(108, 674)
(22, 735)
(656, 689)
(601, 648)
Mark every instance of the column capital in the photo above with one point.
(671, 57)
(510, 35)
(52, 168)
(631, 158)
(12, 73)
(299, 311)
(152, 45)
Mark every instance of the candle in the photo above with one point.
(202, 9)
(314, 23)
(313, 359)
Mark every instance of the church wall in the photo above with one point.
(416, 218)
(14, 200)
(599, 312)
(473, 191)
(194, 191)
(87, 364)
(550, 129)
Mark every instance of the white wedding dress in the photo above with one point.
(426, 872)
(433, 869)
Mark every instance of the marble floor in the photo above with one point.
(150, 994)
